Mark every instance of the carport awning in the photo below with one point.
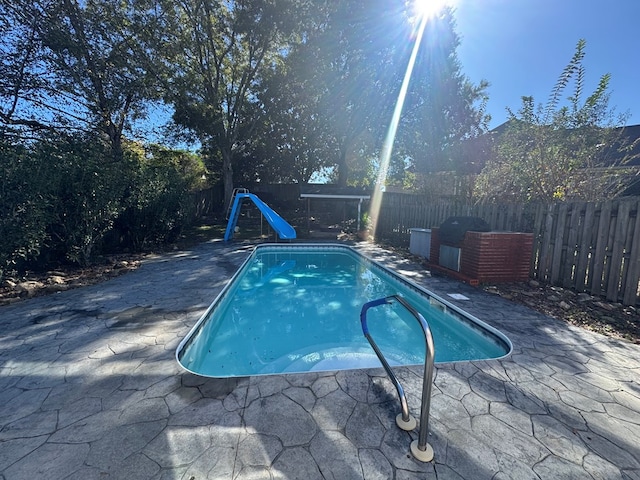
(332, 191)
(335, 196)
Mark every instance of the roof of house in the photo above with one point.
(629, 135)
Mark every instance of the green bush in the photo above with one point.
(91, 194)
(160, 205)
(60, 197)
(26, 206)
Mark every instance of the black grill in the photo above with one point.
(452, 230)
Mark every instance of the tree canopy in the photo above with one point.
(72, 66)
(273, 90)
(443, 109)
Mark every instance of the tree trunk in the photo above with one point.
(343, 168)
(227, 176)
(115, 137)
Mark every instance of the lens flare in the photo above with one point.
(424, 10)
(387, 146)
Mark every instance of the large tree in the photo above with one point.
(568, 148)
(327, 106)
(217, 54)
(357, 68)
(291, 140)
(443, 108)
(286, 88)
(72, 65)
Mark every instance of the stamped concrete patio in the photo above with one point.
(90, 389)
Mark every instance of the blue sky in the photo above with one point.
(522, 46)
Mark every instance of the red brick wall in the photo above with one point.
(496, 256)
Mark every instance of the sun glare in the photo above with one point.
(428, 8)
(423, 11)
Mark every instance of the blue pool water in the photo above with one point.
(296, 308)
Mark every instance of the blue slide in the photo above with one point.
(281, 227)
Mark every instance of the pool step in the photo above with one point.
(326, 358)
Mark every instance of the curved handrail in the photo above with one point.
(406, 417)
(420, 448)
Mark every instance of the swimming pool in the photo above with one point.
(295, 308)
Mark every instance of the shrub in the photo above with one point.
(26, 198)
(160, 204)
(60, 197)
(85, 190)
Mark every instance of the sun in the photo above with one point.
(429, 8)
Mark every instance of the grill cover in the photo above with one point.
(452, 230)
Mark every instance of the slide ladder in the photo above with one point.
(233, 197)
(420, 449)
(279, 225)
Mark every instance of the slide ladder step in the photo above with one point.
(233, 196)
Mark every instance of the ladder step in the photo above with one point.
(233, 196)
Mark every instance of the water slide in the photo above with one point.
(279, 225)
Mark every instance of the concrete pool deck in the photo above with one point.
(90, 389)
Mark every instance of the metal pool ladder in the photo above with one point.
(420, 449)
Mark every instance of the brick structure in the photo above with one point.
(496, 256)
(488, 257)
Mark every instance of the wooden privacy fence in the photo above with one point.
(207, 201)
(589, 247)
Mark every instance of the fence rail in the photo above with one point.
(589, 247)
